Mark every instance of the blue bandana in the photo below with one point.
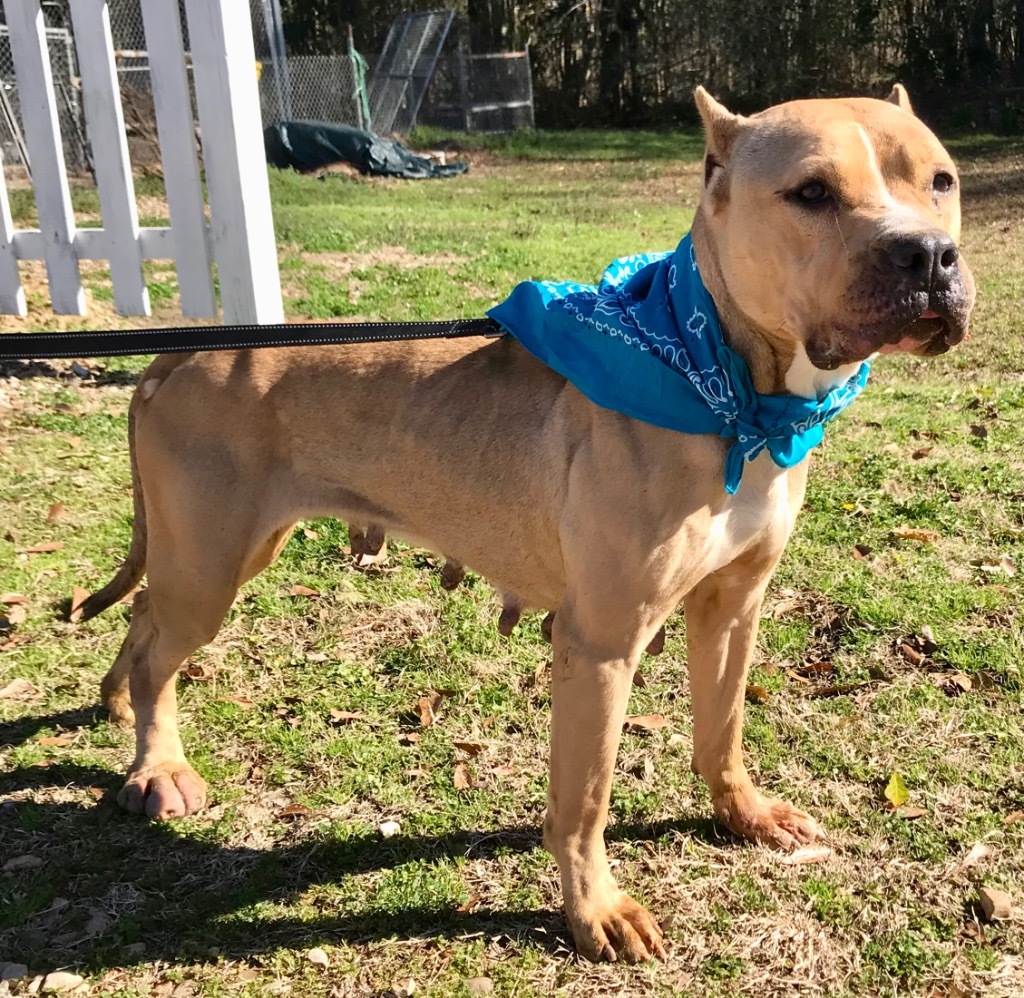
(647, 342)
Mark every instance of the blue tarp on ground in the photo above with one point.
(309, 145)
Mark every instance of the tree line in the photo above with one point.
(621, 63)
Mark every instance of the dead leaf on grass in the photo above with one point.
(44, 548)
(469, 905)
(10, 599)
(428, 708)
(642, 723)
(911, 655)
(346, 716)
(19, 689)
(318, 957)
(310, 535)
(244, 702)
(861, 551)
(807, 855)
(296, 811)
(502, 771)
(979, 430)
(996, 904)
(952, 683)
(976, 854)
(197, 672)
(470, 748)
(1013, 818)
(462, 778)
(57, 741)
(835, 689)
(409, 737)
(1004, 566)
(55, 512)
(756, 694)
(921, 452)
(911, 813)
(915, 534)
(78, 597)
(16, 615)
(298, 590)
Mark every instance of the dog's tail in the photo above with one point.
(134, 567)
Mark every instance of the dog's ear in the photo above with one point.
(900, 97)
(721, 127)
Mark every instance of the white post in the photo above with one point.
(104, 121)
(12, 294)
(42, 135)
(241, 223)
(173, 102)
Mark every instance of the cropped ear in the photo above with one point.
(721, 127)
(900, 97)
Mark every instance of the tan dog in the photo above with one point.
(826, 232)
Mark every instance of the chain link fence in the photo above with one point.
(463, 92)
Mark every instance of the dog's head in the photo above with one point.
(835, 225)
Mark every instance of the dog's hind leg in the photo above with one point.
(595, 656)
(722, 615)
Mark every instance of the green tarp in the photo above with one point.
(309, 145)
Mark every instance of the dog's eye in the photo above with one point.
(814, 192)
(942, 183)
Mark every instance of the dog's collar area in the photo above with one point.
(647, 342)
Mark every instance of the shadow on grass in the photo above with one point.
(184, 895)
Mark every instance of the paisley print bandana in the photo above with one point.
(647, 342)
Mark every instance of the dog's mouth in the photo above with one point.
(926, 328)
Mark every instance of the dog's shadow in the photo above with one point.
(97, 881)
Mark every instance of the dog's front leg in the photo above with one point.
(722, 615)
(590, 687)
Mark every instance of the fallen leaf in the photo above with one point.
(43, 548)
(1005, 566)
(953, 683)
(469, 905)
(916, 534)
(19, 689)
(1013, 818)
(311, 535)
(911, 813)
(26, 862)
(8, 599)
(98, 792)
(244, 702)
(296, 811)
(318, 957)
(979, 431)
(298, 590)
(197, 672)
(56, 511)
(756, 694)
(462, 779)
(428, 708)
(409, 737)
(911, 655)
(389, 829)
(896, 791)
(346, 716)
(861, 551)
(835, 689)
(816, 668)
(404, 989)
(920, 453)
(78, 597)
(995, 904)
(503, 771)
(808, 854)
(61, 980)
(976, 854)
(470, 748)
(57, 741)
(644, 722)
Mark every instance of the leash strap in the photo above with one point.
(189, 339)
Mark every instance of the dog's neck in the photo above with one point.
(776, 363)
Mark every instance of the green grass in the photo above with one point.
(230, 901)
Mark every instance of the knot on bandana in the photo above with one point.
(647, 342)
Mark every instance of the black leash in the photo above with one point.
(188, 339)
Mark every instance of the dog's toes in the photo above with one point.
(119, 709)
(164, 792)
(620, 930)
(769, 822)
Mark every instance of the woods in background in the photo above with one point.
(620, 63)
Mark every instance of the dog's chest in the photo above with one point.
(760, 512)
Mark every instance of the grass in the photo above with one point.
(229, 902)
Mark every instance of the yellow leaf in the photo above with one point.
(896, 792)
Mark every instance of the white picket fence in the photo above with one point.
(239, 237)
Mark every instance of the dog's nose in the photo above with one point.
(928, 260)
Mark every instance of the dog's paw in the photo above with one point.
(616, 929)
(766, 821)
(170, 790)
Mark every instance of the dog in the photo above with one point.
(826, 233)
